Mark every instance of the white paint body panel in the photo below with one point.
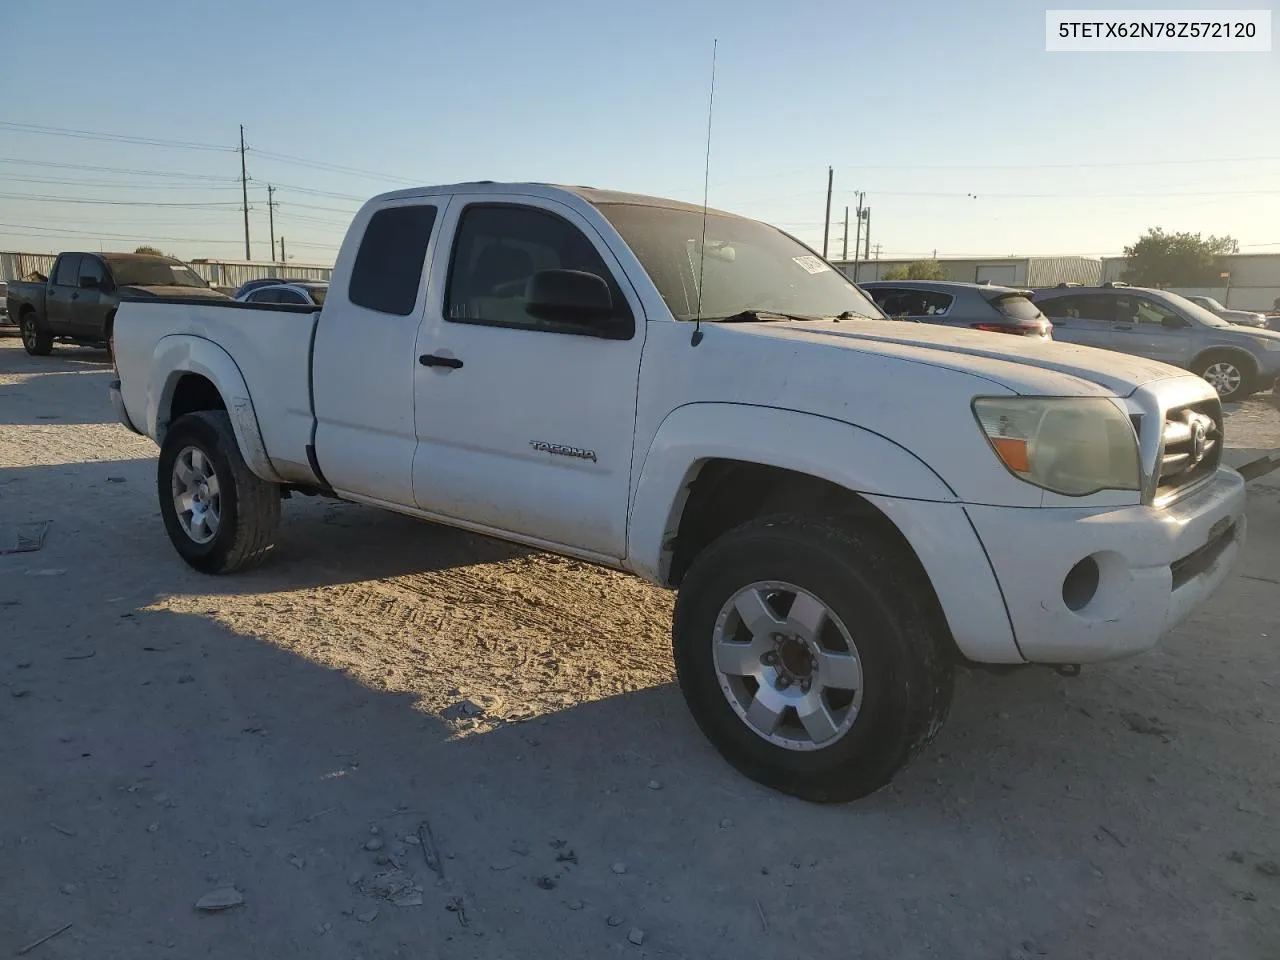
(880, 408)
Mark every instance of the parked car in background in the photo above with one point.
(1243, 318)
(309, 292)
(1164, 326)
(77, 303)
(5, 319)
(976, 305)
(250, 285)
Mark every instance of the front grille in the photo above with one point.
(1192, 447)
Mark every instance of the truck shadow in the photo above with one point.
(238, 759)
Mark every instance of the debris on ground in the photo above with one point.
(1268, 868)
(394, 885)
(23, 537)
(619, 868)
(223, 898)
(373, 845)
(45, 939)
(566, 856)
(615, 920)
(458, 905)
(545, 883)
(636, 936)
(368, 916)
(1235, 856)
(574, 904)
(430, 852)
(655, 785)
(1151, 726)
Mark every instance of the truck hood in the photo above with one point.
(1243, 318)
(172, 291)
(1001, 358)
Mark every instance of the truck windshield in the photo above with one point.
(749, 266)
(129, 272)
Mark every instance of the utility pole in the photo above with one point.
(271, 217)
(826, 224)
(282, 256)
(857, 237)
(868, 241)
(845, 256)
(244, 193)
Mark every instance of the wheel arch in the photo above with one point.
(1238, 354)
(192, 373)
(703, 476)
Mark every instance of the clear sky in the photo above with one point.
(967, 136)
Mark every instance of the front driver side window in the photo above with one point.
(499, 247)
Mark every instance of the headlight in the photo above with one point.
(1073, 446)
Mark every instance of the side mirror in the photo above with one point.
(569, 296)
(90, 283)
(1173, 323)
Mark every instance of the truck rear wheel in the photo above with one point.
(812, 656)
(218, 514)
(36, 341)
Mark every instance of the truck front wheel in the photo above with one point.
(812, 656)
(219, 515)
(37, 342)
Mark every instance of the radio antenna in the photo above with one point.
(706, 184)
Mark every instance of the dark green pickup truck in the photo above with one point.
(77, 303)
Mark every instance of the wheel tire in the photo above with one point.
(37, 342)
(900, 638)
(1217, 366)
(248, 507)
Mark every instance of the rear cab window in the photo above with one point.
(1078, 306)
(389, 264)
(67, 273)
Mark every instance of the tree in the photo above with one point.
(1162, 259)
(147, 248)
(918, 270)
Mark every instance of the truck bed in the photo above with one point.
(269, 344)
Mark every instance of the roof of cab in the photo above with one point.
(591, 195)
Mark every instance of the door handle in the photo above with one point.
(435, 360)
(1123, 326)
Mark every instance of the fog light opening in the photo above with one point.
(1081, 584)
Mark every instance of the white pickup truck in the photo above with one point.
(850, 507)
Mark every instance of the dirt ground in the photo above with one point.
(507, 724)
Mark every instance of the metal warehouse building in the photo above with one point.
(1253, 284)
(1002, 271)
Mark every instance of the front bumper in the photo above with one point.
(1154, 566)
(117, 404)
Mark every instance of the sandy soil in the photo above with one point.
(168, 734)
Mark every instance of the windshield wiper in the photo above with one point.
(758, 316)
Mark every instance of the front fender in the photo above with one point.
(180, 354)
(850, 456)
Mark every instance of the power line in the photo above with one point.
(36, 198)
(62, 181)
(34, 230)
(125, 170)
(337, 168)
(108, 137)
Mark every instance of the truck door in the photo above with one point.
(62, 293)
(363, 361)
(89, 305)
(524, 425)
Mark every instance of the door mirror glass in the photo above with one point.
(569, 296)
